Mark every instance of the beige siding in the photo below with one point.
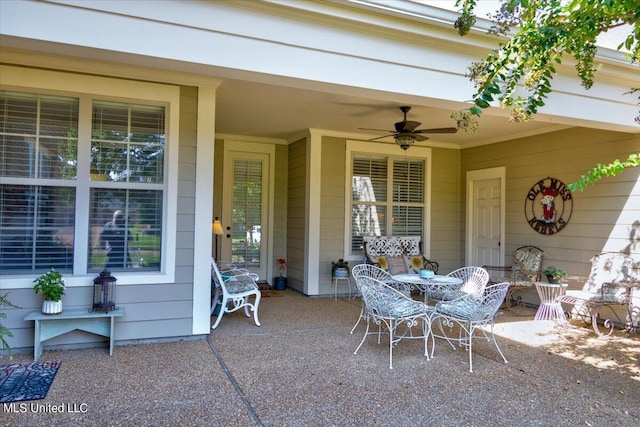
(445, 210)
(296, 214)
(280, 204)
(332, 209)
(603, 215)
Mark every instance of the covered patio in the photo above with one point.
(298, 369)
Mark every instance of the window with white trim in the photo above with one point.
(41, 176)
(387, 197)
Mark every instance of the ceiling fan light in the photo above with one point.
(405, 141)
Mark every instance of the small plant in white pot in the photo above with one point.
(51, 286)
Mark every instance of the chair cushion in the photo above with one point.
(382, 262)
(413, 264)
(466, 308)
(396, 265)
(236, 286)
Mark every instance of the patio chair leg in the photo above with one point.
(223, 306)
(359, 319)
(390, 348)
(366, 332)
(256, 304)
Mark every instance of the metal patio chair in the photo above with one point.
(474, 280)
(471, 313)
(370, 270)
(389, 308)
(525, 270)
(232, 291)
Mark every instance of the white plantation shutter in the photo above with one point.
(38, 145)
(373, 179)
(247, 204)
(38, 181)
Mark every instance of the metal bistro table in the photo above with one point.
(425, 284)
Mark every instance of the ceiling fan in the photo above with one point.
(406, 133)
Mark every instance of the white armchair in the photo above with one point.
(232, 291)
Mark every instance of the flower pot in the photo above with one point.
(552, 279)
(280, 283)
(341, 272)
(52, 307)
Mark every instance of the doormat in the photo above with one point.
(27, 381)
(263, 285)
(271, 294)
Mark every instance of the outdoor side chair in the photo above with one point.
(474, 280)
(370, 270)
(525, 270)
(471, 313)
(389, 308)
(232, 291)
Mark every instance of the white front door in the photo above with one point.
(246, 207)
(485, 217)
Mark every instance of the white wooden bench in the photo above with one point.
(49, 326)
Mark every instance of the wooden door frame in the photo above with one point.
(481, 175)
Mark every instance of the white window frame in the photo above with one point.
(394, 152)
(85, 86)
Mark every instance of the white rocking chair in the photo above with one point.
(234, 286)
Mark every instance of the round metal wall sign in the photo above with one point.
(548, 206)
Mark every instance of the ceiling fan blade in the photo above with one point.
(380, 137)
(411, 125)
(379, 130)
(420, 137)
(437, 130)
(406, 126)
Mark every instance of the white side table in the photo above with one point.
(336, 281)
(550, 309)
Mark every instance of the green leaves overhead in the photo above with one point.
(540, 33)
(602, 170)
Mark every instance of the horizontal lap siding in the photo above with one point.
(296, 214)
(603, 215)
(332, 209)
(446, 248)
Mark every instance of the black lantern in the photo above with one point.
(104, 292)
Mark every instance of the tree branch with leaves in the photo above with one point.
(544, 31)
(604, 170)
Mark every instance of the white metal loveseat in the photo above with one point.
(397, 254)
(612, 285)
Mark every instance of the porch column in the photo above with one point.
(312, 273)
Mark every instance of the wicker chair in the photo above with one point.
(471, 313)
(522, 274)
(235, 287)
(474, 280)
(389, 308)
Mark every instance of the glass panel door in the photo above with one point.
(245, 211)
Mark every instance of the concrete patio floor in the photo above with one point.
(298, 369)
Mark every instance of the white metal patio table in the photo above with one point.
(424, 283)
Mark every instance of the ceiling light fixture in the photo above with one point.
(405, 141)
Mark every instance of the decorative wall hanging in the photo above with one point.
(548, 206)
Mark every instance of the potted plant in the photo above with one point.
(340, 268)
(554, 274)
(4, 331)
(280, 282)
(51, 286)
